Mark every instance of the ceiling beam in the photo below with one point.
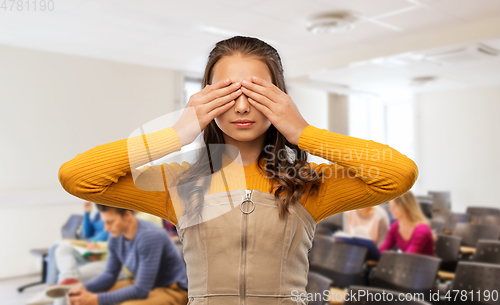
(305, 81)
(466, 32)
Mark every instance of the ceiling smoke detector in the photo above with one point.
(331, 23)
(423, 81)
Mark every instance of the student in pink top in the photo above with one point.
(410, 232)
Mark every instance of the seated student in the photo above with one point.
(143, 250)
(410, 232)
(75, 269)
(371, 222)
(63, 260)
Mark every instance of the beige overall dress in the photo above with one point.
(244, 253)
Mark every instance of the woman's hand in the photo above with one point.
(87, 206)
(203, 107)
(277, 106)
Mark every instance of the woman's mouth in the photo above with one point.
(243, 123)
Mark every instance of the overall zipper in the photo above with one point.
(248, 194)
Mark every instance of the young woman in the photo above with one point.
(410, 232)
(246, 225)
(370, 222)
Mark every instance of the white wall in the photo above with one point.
(312, 104)
(314, 108)
(31, 225)
(54, 107)
(458, 144)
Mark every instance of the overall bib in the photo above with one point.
(243, 253)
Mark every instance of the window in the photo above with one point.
(191, 86)
(386, 121)
(366, 118)
(399, 127)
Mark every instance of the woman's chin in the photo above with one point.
(243, 138)
(243, 135)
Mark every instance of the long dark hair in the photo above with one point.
(290, 176)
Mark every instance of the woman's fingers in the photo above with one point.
(201, 109)
(264, 100)
(263, 88)
(222, 101)
(198, 97)
(262, 108)
(220, 110)
(220, 84)
(215, 94)
(218, 101)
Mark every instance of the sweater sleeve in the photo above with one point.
(103, 174)
(364, 172)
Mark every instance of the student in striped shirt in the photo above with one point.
(146, 253)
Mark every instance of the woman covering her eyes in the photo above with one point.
(247, 208)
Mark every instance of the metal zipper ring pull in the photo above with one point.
(247, 200)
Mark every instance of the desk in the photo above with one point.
(467, 250)
(335, 295)
(444, 275)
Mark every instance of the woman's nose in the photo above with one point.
(241, 104)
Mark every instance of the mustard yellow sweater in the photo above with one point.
(364, 173)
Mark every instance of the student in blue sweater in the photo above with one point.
(146, 253)
(93, 229)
